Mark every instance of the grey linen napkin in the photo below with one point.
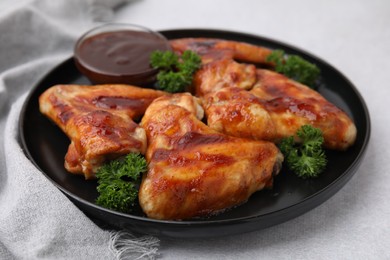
(36, 220)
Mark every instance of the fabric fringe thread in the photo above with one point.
(125, 245)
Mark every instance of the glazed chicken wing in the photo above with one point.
(219, 68)
(291, 105)
(220, 74)
(215, 49)
(276, 106)
(195, 171)
(99, 122)
(237, 112)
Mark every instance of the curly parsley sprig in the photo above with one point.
(306, 159)
(295, 67)
(175, 73)
(117, 182)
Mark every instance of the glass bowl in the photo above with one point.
(117, 53)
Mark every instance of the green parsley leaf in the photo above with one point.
(295, 67)
(117, 182)
(306, 159)
(175, 73)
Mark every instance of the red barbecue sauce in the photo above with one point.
(121, 56)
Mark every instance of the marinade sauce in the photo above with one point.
(121, 56)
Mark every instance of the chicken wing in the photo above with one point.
(99, 122)
(237, 112)
(291, 105)
(211, 49)
(219, 68)
(282, 105)
(225, 73)
(195, 171)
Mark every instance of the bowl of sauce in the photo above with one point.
(117, 53)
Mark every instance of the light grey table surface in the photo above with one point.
(353, 36)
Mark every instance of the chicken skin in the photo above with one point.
(274, 106)
(194, 171)
(237, 112)
(99, 122)
(219, 68)
(211, 49)
(220, 74)
(291, 105)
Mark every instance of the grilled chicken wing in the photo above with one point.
(195, 171)
(276, 106)
(215, 49)
(219, 68)
(224, 73)
(237, 112)
(291, 105)
(99, 122)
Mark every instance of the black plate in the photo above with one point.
(46, 146)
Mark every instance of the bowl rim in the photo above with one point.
(115, 27)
